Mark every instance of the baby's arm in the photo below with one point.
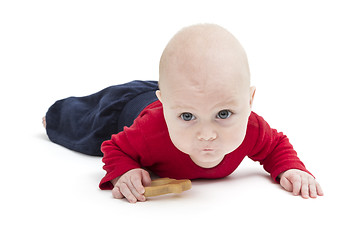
(297, 181)
(131, 185)
(119, 158)
(278, 157)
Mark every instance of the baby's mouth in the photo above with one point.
(208, 150)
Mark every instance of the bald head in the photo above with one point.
(202, 53)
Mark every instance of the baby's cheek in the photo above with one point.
(234, 138)
(181, 140)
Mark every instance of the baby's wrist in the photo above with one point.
(280, 175)
(114, 181)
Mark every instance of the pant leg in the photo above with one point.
(83, 123)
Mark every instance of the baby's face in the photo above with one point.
(205, 92)
(206, 121)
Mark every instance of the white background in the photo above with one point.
(301, 59)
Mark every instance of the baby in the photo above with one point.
(200, 126)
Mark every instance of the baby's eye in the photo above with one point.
(223, 114)
(187, 116)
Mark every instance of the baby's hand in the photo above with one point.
(131, 185)
(297, 181)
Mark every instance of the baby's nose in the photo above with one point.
(207, 134)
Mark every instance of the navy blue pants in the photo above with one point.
(83, 123)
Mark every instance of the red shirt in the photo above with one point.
(146, 144)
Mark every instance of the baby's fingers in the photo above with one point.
(137, 184)
(300, 182)
(116, 193)
(319, 189)
(286, 184)
(296, 181)
(313, 190)
(305, 189)
(127, 193)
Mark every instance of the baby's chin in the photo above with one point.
(207, 161)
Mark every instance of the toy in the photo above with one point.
(162, 186)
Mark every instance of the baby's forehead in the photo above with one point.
(208, 84)
(215, 95)
(204, 52)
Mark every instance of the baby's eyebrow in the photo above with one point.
(220, 105)
(180, 106)
(231, 103)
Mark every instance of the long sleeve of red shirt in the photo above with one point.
(146, 144)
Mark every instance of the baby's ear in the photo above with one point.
(158, 95)
(252, 92)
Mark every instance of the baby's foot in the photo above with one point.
(44, 122)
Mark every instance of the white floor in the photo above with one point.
(51, 193)
(301, 59)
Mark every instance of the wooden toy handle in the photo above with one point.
(163, 186)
